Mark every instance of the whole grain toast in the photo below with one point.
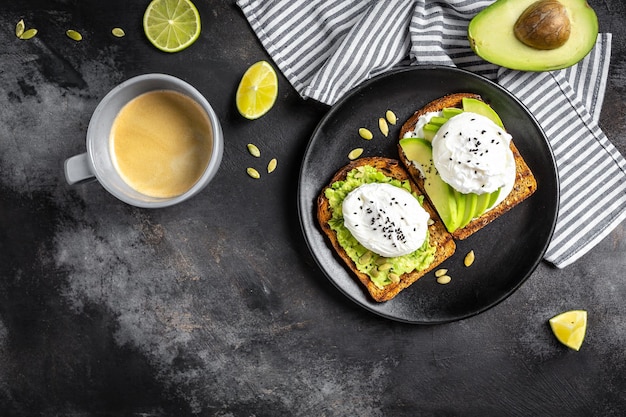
(438, 235)
(525, 182)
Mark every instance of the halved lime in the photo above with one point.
(171, 25)
(257, 90)
(570, 328)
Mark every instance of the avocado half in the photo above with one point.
(491, 36)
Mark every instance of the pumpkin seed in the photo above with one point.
(19, 28)
(365, 258)
(469, 258)
(391, 117)
(441, 272)
(355, 153)
(444, 279)
(74, 35)
(254, 151)
(118, 32)
(385, 267)
(29, 34)
(395, 278)
(374, 272)
(381, 260)
(253, 173)
(271, 166)
(365, 133)
(383, 126)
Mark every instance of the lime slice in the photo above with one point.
(257, 90)
(171, 25)
(570, 327)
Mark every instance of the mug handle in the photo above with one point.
(78, 169)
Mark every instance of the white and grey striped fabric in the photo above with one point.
(327, 47)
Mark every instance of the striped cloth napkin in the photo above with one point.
(327, 47)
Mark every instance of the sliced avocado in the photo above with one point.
(482, 204)
(480, 107)
(493, 197)
(437, 120)
(471, 200)
(420, 151)
(492, 37)
(460, 208)
(429, 131)
(449, 112)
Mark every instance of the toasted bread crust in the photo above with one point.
(439, 236)
(525, 182)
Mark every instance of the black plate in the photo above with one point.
(507, 251)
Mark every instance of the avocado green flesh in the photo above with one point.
(455, 208)
(483, 202)
(491, 36)
(476, 106)
(460, 208)
(440, 194)
(471, 201)
(449, 112)
(419, 259)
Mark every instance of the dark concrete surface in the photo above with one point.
(215, 307)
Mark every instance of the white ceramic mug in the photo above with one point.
(98, 163)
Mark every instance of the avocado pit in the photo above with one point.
(544, 25)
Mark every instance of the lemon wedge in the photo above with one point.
(171, 25)
(570, 328)
(257, 90)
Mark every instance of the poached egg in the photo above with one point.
(385, 219)
(472, 154)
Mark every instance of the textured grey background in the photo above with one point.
(215, 307)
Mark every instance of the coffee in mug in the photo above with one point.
(161, 143)
(153, 141)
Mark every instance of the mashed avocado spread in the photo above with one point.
(382, 271)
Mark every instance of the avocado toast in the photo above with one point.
(383, 277)
(462, 212)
